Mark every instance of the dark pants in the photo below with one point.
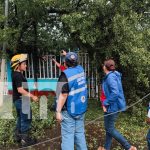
(111, 132)
(148, 139)
(24, 115)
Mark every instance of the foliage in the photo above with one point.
(132, 126)
(103, 28)
(7, 126)
(115, 29)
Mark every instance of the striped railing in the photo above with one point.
(48, 70)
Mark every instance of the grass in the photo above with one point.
(133, 127)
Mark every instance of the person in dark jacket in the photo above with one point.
(148, 122)
(114, 103)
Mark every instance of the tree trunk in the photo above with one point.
(2, 80)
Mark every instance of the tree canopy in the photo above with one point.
(104, 28)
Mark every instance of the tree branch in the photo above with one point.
(59, 11)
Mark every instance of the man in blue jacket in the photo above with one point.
(72, 104)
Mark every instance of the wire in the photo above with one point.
(50, 140)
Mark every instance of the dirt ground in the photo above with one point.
(94, 136)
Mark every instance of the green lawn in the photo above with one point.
(129, 125)
(132, 127)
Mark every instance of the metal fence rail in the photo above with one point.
(48, 70)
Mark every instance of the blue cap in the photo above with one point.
(72, 57)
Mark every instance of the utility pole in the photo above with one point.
(3, 64)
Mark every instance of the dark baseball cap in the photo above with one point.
(72, 57)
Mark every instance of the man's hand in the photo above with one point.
(54, 60)
(104, 109)
(26, 93)
(148, 120)
(63, 52)
(59, 117)
(34, 98)
(61, 101)
(44, 58)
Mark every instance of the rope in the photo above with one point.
(50, 140)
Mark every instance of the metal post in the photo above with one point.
(47, 65)
(82, 57)
(60, 60)
(51, 68)
(43, 64)
(40, 67)
(33, 73)
(96, 83)
(55, 69)
(85, 64)
(89, 83)
(29, 69)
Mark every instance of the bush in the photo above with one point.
(7, 126)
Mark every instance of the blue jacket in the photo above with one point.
(112, 87)
(77, 99)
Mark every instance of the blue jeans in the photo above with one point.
(111, 132)
(24, 116)
(148, 139)
(72, 131)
